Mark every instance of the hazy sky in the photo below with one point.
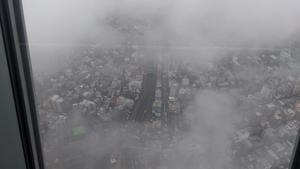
(55, 26)
(193, 21)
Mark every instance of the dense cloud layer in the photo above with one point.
(56, 27)
(59, 25)
(197, 22)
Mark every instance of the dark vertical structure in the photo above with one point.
(165, 92)
(10, 142)
(19, 66)
(143, 107)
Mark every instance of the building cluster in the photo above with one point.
(99, 87)
(102, 87)
(265, 85)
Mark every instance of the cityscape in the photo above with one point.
(150, 95)
(149, 104)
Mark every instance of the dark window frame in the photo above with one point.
(14, 35)
(15, 40)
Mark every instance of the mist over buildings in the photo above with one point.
(198, 33)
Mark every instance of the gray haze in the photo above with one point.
(203, 28)
(59, 24)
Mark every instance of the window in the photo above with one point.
(165, 84)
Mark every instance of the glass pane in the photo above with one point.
(166, 84)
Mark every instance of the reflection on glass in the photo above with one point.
(184, 84)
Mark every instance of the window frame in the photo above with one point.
(15, 44)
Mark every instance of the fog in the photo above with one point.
(195, 22)
(208, 144)
(61, 24)
(200, 31)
